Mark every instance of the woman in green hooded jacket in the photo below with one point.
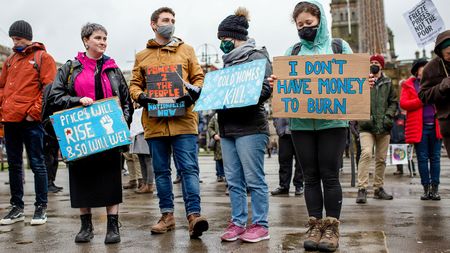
(319, 144)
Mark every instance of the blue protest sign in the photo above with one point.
(232, 87)
(83, 131)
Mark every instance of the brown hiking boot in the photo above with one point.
(330, 236)
(313, 234)
(197, 225)
(166, 223)
(140, 183)
(132, 184)
(146, 188)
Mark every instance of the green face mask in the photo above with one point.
(226, 46)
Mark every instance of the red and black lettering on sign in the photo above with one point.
(164, 82)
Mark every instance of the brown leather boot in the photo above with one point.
(197, 225)
(146, 188)
(330, 236)
(140, 183)
(132, 184)
(165, 223)
(313, 234)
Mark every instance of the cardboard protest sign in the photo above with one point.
(232, 87)
(164, 83)
(424, 22)
(331, 86)
(83, 131)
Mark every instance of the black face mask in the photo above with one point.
(308, 33)
(374, 69)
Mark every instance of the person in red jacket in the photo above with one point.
(422, 130)
(25, 73)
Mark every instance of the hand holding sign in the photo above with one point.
(144, 100)
(85, 101)
(272, 80)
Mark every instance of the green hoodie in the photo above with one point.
(320, 45)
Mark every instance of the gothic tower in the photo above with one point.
(361, 23)
(341, 27)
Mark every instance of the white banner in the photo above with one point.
(424, 22)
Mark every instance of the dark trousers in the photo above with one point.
(219, 168)
(286, 154)
(51, 153)
(319, 153)
(32, 135)
(428, 152)
(445, 131)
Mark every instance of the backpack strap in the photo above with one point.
(37, 66)
(69, 77)
(296, 48)
(9, 59)
(336, 45)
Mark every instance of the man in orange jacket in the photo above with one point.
(24, 75)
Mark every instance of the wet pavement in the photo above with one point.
(405, 224)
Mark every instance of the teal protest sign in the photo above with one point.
(232, 87)
(83, 131)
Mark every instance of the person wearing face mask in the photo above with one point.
(319, 144)
(171, 135)
(95, 180)
(25, 74)
(422, 130)
(435, 85)
(244, 133)
(376, 132)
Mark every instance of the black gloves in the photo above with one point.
(193, 90)
(192, 95)
(144, 100)
(187, 99)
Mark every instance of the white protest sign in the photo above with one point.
(424, 22)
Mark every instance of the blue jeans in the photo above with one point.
(429, 151)
(219, 168)
(32, 135)
(243, 160)
(185, 154)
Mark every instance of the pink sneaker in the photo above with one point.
(232, 232)
(255, 233)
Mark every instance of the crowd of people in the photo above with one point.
(239, 136)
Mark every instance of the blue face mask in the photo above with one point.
(19, 49)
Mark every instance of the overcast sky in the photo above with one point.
(57, 23)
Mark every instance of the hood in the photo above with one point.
(33, 47)
(441, 38)
(323, 35)
(171, 46)
(108, 62)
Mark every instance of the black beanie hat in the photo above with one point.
(21, 29)
(235, 26)
(417, 64)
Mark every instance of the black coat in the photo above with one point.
(63, 93)
(236, 122)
